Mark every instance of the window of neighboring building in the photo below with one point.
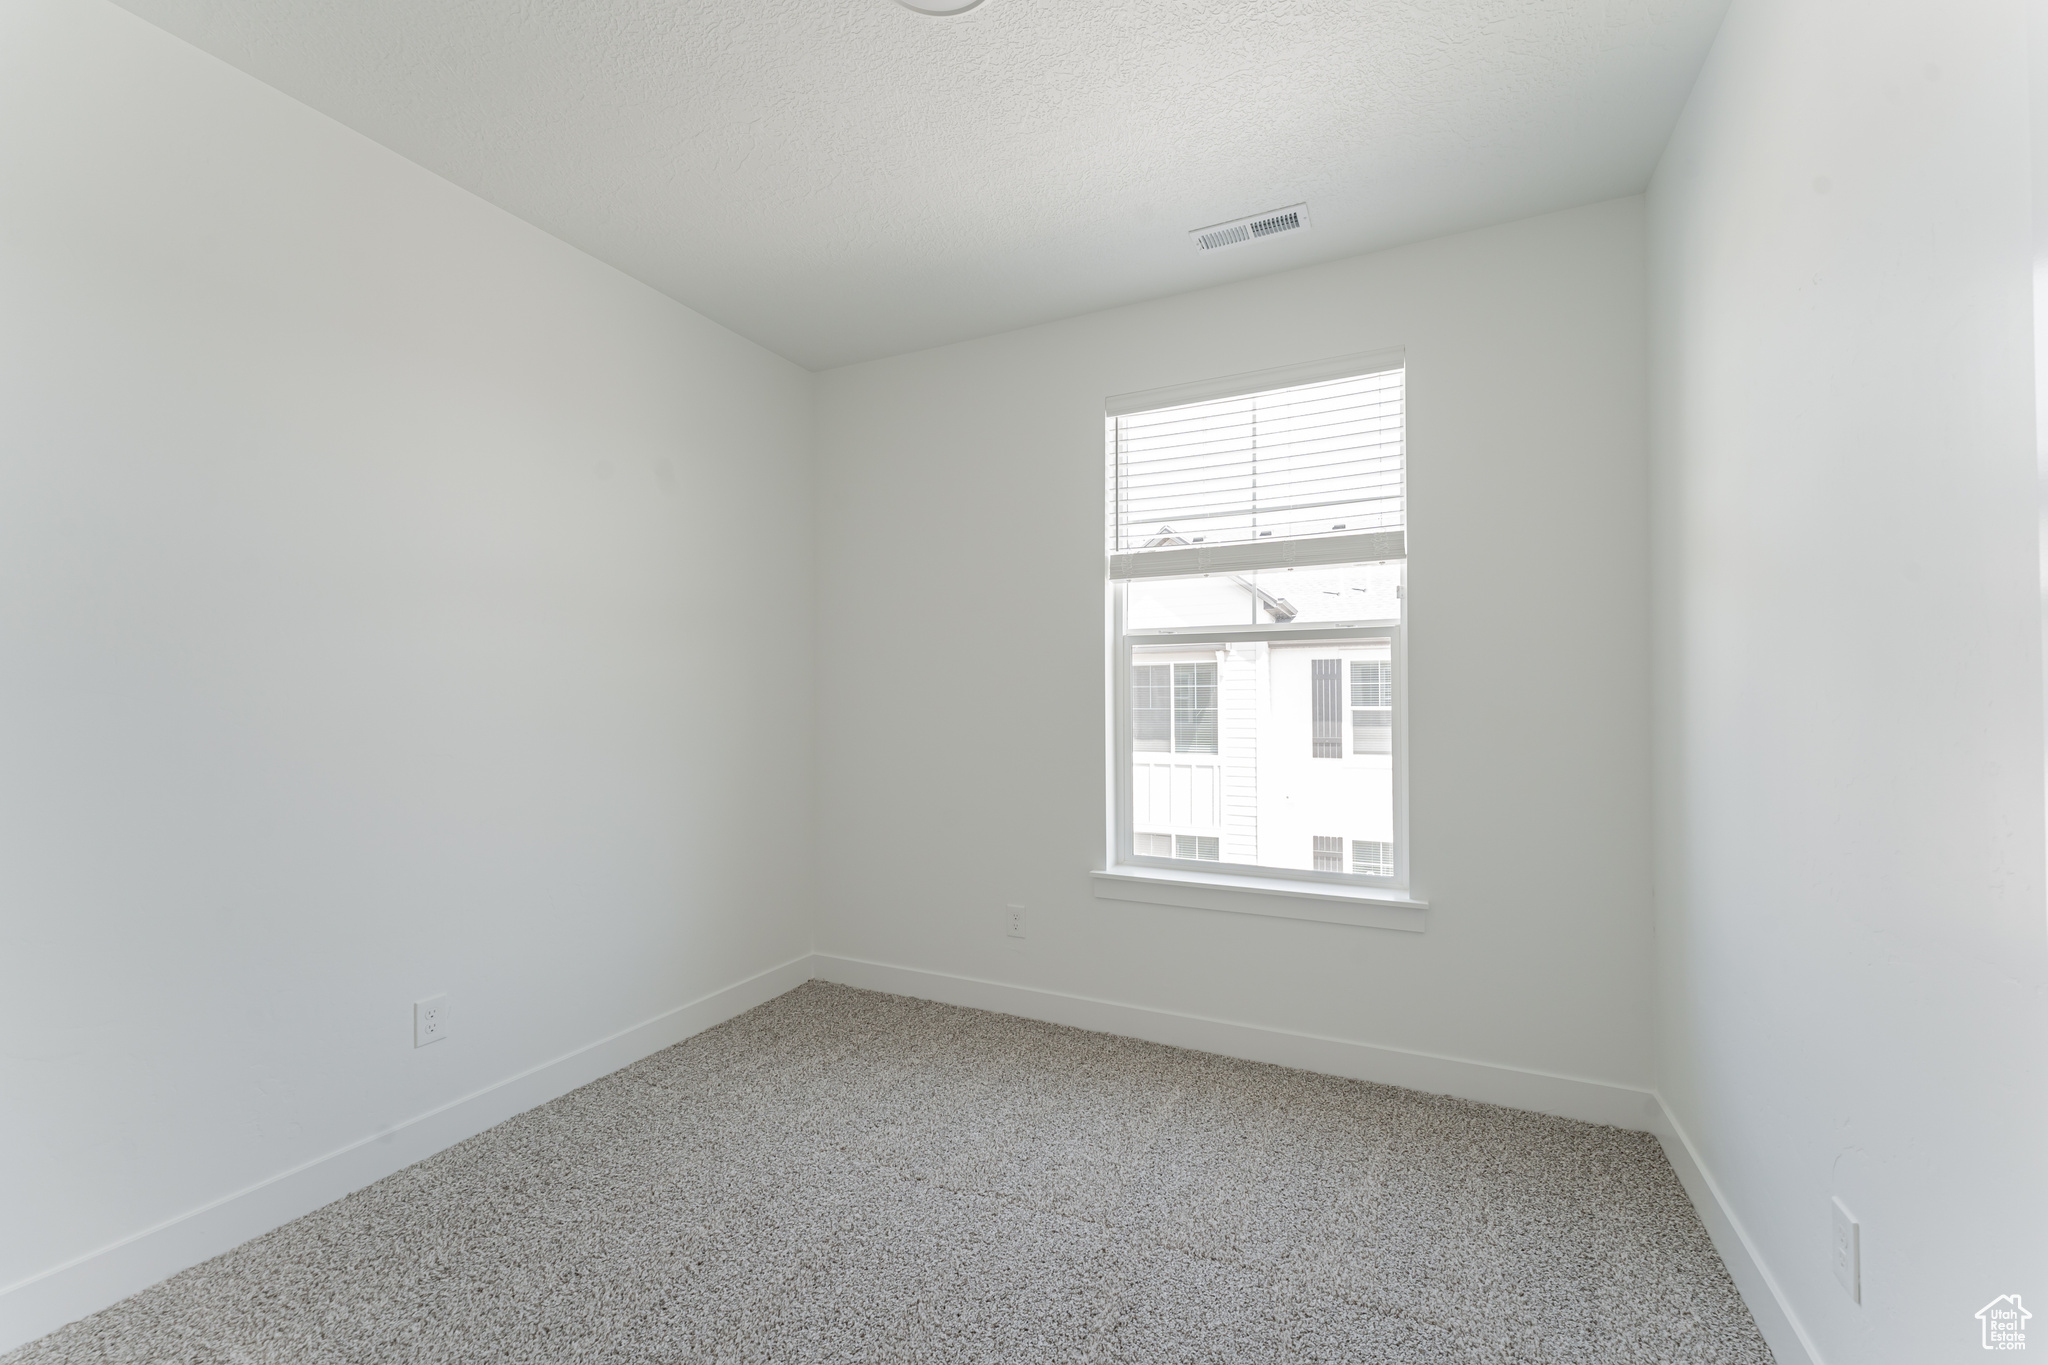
(1372, 857)
(1372, 706)
(1173, 708)
(1205, 847)
(1258, 556)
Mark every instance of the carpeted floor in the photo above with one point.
(840, 1175)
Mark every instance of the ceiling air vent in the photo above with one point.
(1293, 218)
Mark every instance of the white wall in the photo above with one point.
(1852, 985)
(961, 758)
(370, 625)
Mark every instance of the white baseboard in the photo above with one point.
(41, 1304)
(65, 1293)
(1569, 1097)
(1759, 1288)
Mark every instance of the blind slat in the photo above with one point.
(1345, 466)
(1257, 478)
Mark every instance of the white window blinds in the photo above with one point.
(1307, 474)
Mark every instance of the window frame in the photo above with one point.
(1119, 798)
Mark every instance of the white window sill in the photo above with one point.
(1371, 906)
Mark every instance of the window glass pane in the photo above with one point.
(1330, 593)
(1243, 774)
(1211, 600)
(1268, 597)
(1194, 708)
(1152, 845)
(1152, 708)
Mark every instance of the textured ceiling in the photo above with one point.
(844, 179)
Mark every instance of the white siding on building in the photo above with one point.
(1305, 797)
(1179, 793)
(1241, 688)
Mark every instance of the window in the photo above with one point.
(1206, 847)
(1152, 708)
(1258, 553)
(1372, 706)
(1372, 858)
(1173, 708)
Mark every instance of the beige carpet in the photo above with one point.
(840, 1176)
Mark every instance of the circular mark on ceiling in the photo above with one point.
(938, 8)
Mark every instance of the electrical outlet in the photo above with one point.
(1848, 1252)
(1013, 920)
(429, 1020)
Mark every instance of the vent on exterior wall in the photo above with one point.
(1293, 218)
